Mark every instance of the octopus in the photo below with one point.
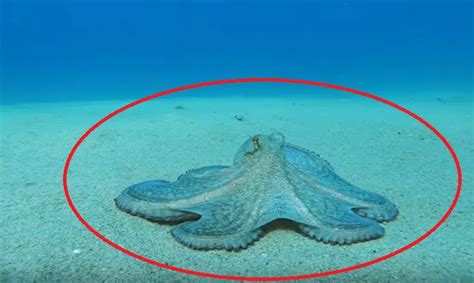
(228, 207)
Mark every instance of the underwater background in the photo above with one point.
(79, 50)
(64, 65)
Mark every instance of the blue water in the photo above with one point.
(75, 50)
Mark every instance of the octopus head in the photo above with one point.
(260, 145)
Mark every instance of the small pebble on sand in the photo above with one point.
(239, 117)
(76, 251)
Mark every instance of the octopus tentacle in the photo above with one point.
(319, 172)
(135, 200)
(225, 223)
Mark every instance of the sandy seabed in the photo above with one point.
(371, 145)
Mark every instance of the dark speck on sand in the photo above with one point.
(239, 118)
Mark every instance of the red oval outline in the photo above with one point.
(276, 278)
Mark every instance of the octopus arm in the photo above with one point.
(228, 220)
(159, 200)
(332, 220)
(326, 181)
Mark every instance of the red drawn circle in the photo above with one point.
(278, 278)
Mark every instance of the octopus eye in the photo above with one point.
(256, 145)
(256, 142)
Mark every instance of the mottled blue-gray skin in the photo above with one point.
(225, 207)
